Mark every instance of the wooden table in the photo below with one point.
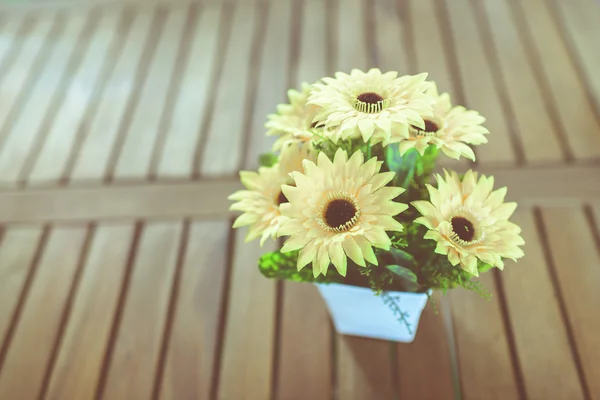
(123, 127)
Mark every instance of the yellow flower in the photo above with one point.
(469, 221)
(260, 203)
(338, 209)
(293, 122)
(371, 105)
(449, 129)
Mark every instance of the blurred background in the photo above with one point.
(123, 125)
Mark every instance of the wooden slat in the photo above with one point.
(544, 357)
(19, 76)
(305, 349)
(134, 158)
(60, 138)
(478, 84)
(219, 157)
(9, 31)
(175, 149)
(483, 353)
(577, 115)
(312, 59)
(572, 245)
(189, 363)
(89, 161)
(78, 365)
(580, 19)
(17, 251)
(272, 82)
(363, 368)
(538, 133)
(207, 199)
(391, 37)
(249, 327)
(427, 356)
(32, 344)
(140, 328)
(350, 40)
(23, 133)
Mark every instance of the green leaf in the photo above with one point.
(282, 266)
(408, 279)
(403, 258)
(484, 267)
(403, 166)
(267, 159)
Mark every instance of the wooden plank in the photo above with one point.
(192, 348)
(231, 98)
(543, 357)
(17, 251)
(19, 76)
(249, 326)
(528, 186)
(90, 161)
(10, 32)
(60, 138)
(427, 356)
(272, 82)
(363, 368)
(539, 135)
(78, 365)
(478, 85)
(578, 119)
(571, 243)
(32, 344)
(305, 345)
(174, 150)
(134, 157)
(312, 60)
(23, 133)
(391, 37)
(483, 352)
(140, 328)
(350, 40)
(580, 20)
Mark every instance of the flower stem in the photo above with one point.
(369, 149)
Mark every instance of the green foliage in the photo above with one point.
(282, 266)
(267, 159)
(403, 166)
(408, 279)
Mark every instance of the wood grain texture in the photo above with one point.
(541, 340)
(140, 135)
(38, 326)
(572, 245)
(192, 348)
(364, 368)
(76, 372)
(17, 251)
(485, 366)
(479, 87)
(173, 154)
(539, 135)
(312, 60)
(391, 37)
(428, 356)
(140, 327)
(249, 326)
(305, 337)
(557, 67)
(23, 131)
(350, 39)
(70, 116)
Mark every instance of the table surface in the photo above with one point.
(122, 129)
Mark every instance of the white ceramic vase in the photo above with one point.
(357, 311)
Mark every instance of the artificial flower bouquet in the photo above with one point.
(351, 187)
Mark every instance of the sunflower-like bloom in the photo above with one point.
(450, 129)
(339, 209)
(469, 221)
(375, 106)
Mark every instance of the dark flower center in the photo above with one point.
(317, 124)
(369, 98)
(339, 212)
(430, 126)
(281, 198)
(463, 228)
